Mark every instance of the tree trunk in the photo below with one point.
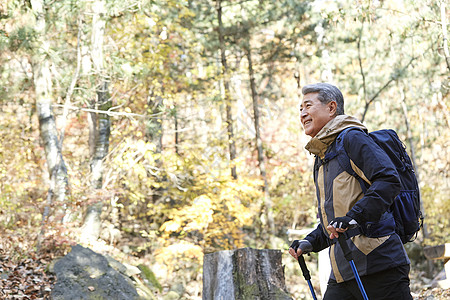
(55, 162)
(154, 134)
(259, 147)
(102, 137)
(47, 126)
(92, 219)
(177, 135)
(100, 127)
(154, 128)
(244, 274)
(227, 96)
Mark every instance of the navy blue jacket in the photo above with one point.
(339, 193)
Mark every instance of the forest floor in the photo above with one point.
(24, 274)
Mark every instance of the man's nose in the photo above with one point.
(303, 114)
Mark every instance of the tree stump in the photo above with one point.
(440, 252)
(244, 274)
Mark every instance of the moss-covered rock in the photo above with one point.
(149, 277)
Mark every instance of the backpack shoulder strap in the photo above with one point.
(344, 159)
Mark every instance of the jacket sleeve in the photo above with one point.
(318, 239)
(379, 170)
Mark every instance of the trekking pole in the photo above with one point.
(305, 271)
(348, 256)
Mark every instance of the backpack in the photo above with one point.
(406, 206)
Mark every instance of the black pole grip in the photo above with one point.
(305, 271)
(344, 247)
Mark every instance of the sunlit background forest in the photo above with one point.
(160, 131)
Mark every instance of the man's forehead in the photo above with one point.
(310, 97)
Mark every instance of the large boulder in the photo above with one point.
(84, 274)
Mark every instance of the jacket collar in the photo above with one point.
(318, 145)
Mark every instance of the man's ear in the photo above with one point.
(332, 107)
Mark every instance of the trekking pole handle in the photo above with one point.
(344, 247)
(305, 271)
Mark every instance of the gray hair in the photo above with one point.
(326, 93)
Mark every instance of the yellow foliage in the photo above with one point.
(173, 254)
(215, 217)
(132, 162)
(200, 214)
(171, 226)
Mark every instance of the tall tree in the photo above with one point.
(154, 134)
(259, 144)
(101, 124)
(227, 92)
(43, 87)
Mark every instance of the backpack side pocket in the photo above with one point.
(405, 214)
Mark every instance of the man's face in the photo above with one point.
(314, 114)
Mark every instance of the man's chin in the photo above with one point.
(309, 132)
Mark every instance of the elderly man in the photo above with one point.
(381, 261)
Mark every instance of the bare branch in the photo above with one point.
(109, 112)
(392, 79)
